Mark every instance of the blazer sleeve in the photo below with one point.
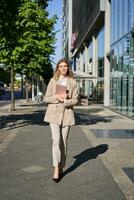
(49, 96)
(74, 100)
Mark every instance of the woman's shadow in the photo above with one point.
(88, 154)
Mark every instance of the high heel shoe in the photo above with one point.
(56, 179)
(60, 172)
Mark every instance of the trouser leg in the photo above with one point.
(64, 130)
(56, 153)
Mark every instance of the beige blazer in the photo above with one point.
(61, 113)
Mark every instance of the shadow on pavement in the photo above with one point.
(18, 120)
(90, 116)
(87, 111)
(84, 156)
(29, 117)
(87, 119)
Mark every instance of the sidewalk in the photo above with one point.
(20, 104)
(107, 127)
(92, 171)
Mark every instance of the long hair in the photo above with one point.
(69, 71)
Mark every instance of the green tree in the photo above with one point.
(26, 38)
(36, 41)
(8, 37)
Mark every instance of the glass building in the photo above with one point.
(102, 32)
(122, 57)
(100, 82)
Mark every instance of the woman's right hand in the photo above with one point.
(61, 97)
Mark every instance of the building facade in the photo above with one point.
(122, 57)
(98, 39)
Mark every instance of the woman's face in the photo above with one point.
(63, 68)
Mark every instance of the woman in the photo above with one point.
(60, 114)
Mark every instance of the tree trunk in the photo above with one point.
(33, 89)
(27, 92)
(38, 85)
(22, 87)
(12, 90)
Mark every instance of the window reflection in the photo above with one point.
(122, 18)
(122, 56)
(100, 81)
(131, 12)
(122, 75)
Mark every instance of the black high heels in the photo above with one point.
(56, 179)
(59, 177)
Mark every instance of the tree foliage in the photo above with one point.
(8, 31)
(27, 36)
(35, 44)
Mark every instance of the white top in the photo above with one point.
(62, 81)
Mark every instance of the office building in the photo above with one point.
(98, 39)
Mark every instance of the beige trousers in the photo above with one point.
(59, 144)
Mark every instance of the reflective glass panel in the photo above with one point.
(131, 77)
(131, 14)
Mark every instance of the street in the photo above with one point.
(26, 164)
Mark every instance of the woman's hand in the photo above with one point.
(61, 97)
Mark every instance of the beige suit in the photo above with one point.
(59, 113)
(61, 117)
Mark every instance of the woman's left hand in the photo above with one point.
(61, 97)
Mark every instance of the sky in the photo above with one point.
(55, 7)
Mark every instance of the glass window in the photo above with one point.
(115, 20)
(112, 22)
(101, 43)
(125, 89)
(122, 75)
(131, 14)
(114, 75)
(122, 18)
(122, 56)
(125, 17)
(91, 50)
(120, 24)
(120, 66)
(131, 77)
(101, 53)
(126, 54)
